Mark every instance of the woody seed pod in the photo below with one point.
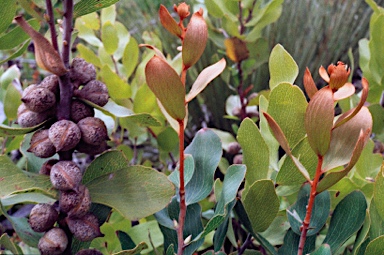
(53, 242)
(80, 110)
(66, 175)
(28, 118)
(51, 83)
(85, 228)
(93, 130)
(64, 135)
(94, 91)
(91, 149)
(41, 146)
(38, 99)
(47, 166)
(42, 217)
(89, 252)
(75, 203)
(82, 72)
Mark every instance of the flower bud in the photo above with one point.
(182, 10)
(338, 75)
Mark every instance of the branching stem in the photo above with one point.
(51, 23)
(311, 202)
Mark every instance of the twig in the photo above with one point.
(311, 202)
(51, 23)
(247, 242)
(183, 206)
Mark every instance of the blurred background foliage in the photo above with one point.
(314, 32)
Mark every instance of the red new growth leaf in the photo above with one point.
(195, 39)
(309, 84)
(168, 22)
(165, 83)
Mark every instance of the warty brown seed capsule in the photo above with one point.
(80, 110)
(41, 146)
(85, 228)
(47, 166)
(94, 91)
(38, 99)
(28, 118)
(66, 175)
(54, 242)
(82, 72)
(93, 130)
(75, 203)
(89, 252)
(91, 149)
(51, 83)
(64, 135)
(42, 217)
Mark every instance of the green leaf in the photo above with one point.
(363, 234)
(319, 120)
(376, 246)
(18, 52)
(117, 88)
(226, 138)
(205, 77)
(135, 191)
(378, 192)
(255, 152)
(376, 223)
(320, 211)
(28, 197)
(291, 244)
(139, 248)
(146, 232)
(9, 75)
(22, 228)
(11, 131)
(8, 244)
(108, 14)
(232, 180)
(109, 37)
(189, 169)
(16, 36)
(377, 112)
(261, 193)
(12, 100)
(282, 67)
(288, 174)
(347, 218)
(165, 83)
(286, 96)
(220, 10)
(193, 225)
(87, 6)
(323, 250)
(130, 56)
(168, 139)
(88, 55)
(7, 11)
(206, 150)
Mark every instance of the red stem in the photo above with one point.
(183, 206)
(311, 202)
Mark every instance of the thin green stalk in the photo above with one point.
(311, 202)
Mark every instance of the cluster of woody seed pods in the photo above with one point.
(84, 133)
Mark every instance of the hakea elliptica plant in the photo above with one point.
(337, 141)
(169, 86)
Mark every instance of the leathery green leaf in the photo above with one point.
(261, 193)
(16, 36)
(376, 246)
(319, 214)
(347, 218)
(282, 67)
(134, 191)
(378, 192)
(7, 11)
(286, 96)
(206, 151)
(288, 174)
(323, 250)
(7, 243)
(255, 152)
(291, 244)
(12, 100)
(87, 6)
(165, 83)
(117, 88)
(109, 37)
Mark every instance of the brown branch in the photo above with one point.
(51, 23)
